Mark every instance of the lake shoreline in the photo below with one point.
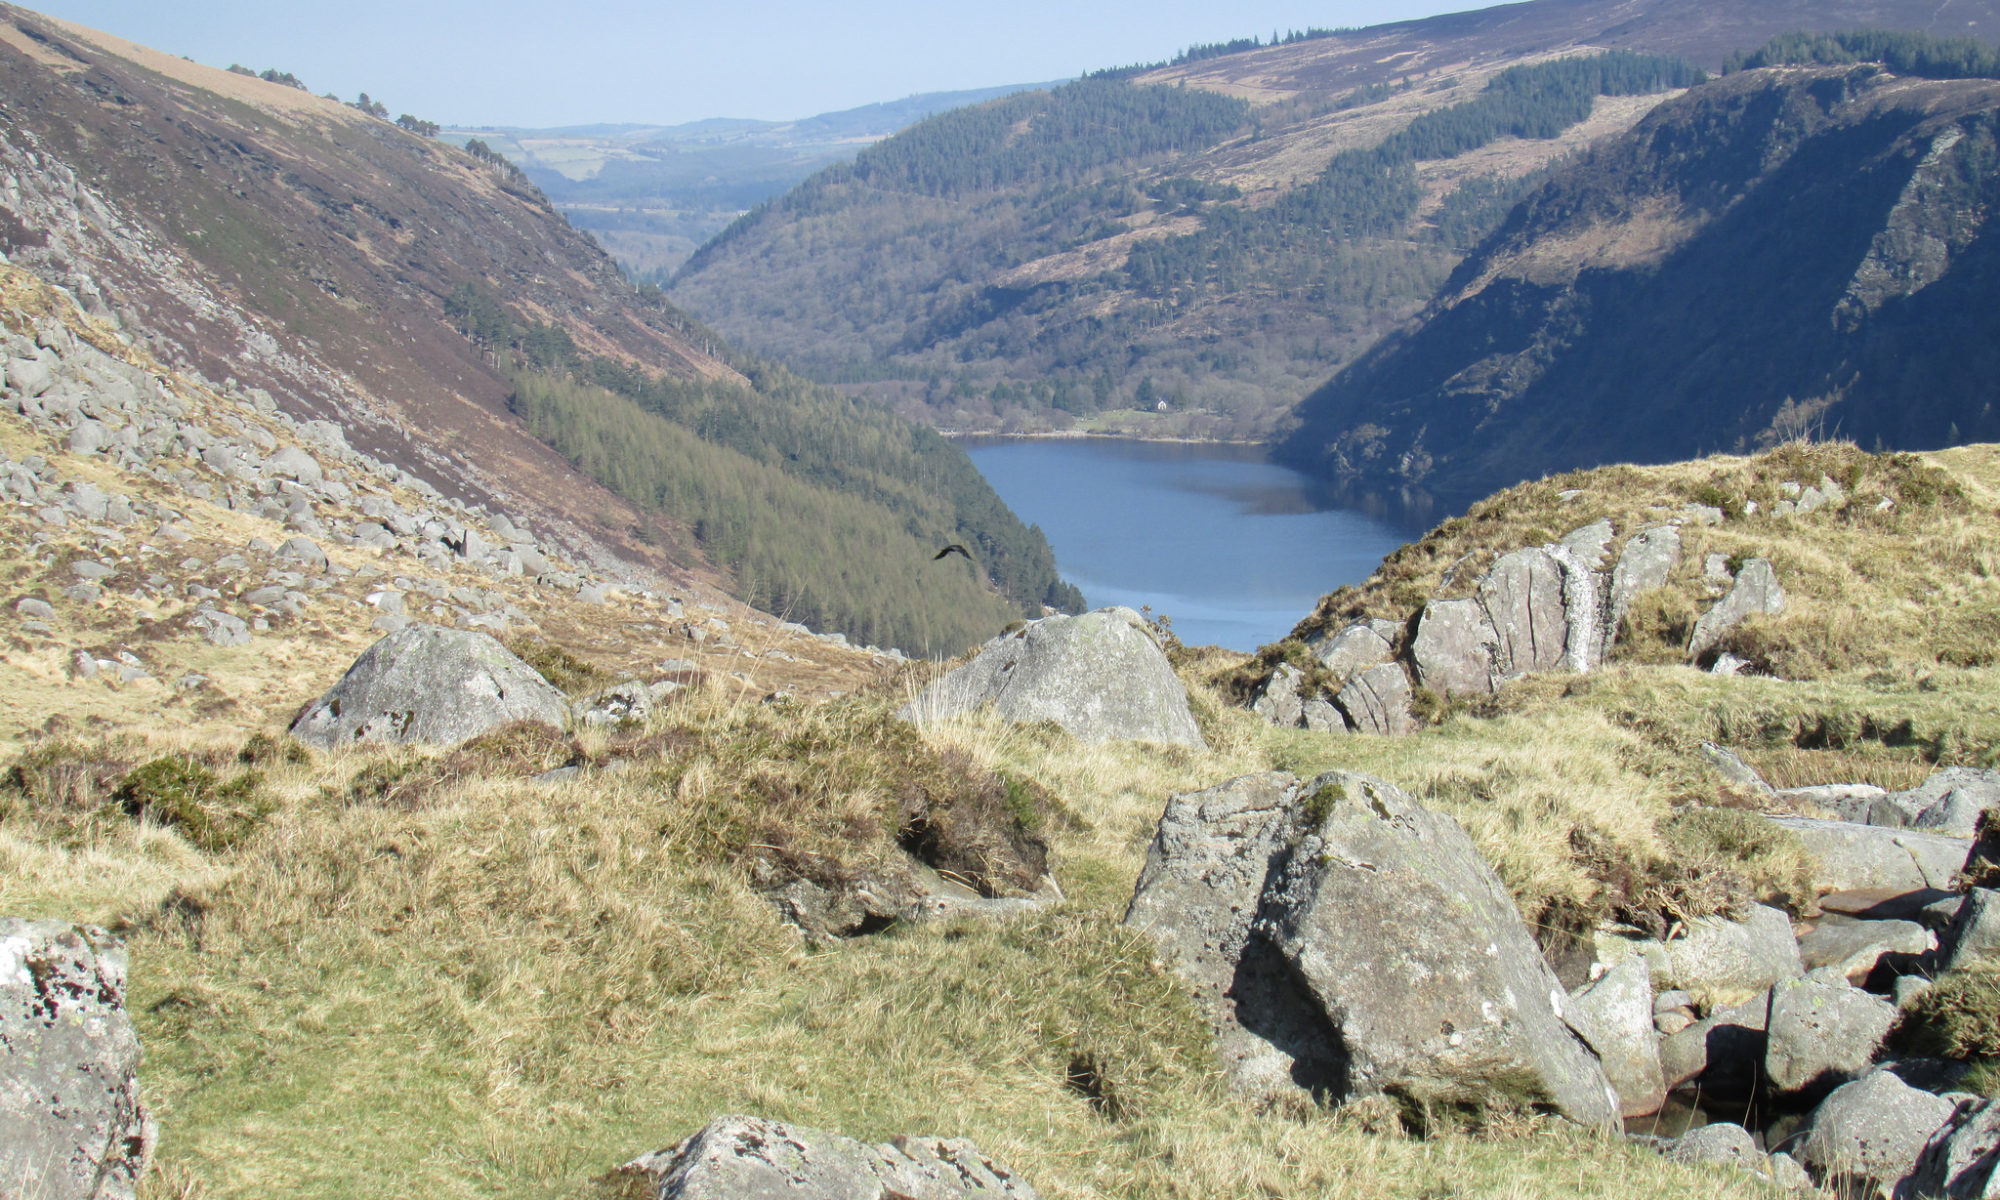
(1082, 434)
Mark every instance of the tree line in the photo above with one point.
(1919, 54)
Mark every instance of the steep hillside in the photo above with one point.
(1782, 252)
(1220, 275)
(261, 236)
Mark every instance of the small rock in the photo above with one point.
(1721, 1142)
(1378, 701)
(1853, 947)
(1732, 768)
(220, 628)
(303, 551)
(1949, 802)
(744, 1158)
(36, 609)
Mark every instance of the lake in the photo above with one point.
(1233, 548)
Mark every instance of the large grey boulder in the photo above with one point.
(1724, 962)
(1453, 649)
(1974, 933)
(1853, 947)
(1840, 801)
(1962, 1161)
(427, 684)
(1823, 1031)
(1949, 802)
(1872, 1130)
(1851, 856)
(1378, 701)
(1523, 596)
(1755, 591)
(1354, 648)
(1614, 1016)
(1647, 562)
(749, 1158)
(1418, 956)
(294, 463)
(1197, 898)
(1101, 676)
(71, 1123)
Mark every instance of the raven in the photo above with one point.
(952, 549)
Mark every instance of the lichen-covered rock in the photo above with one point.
(1962, 1161)
(1101, 676)
(1197, 898)
(1849, 856)
(749, 1158)
(1723, 1142)
(1454, 647)
(1615, 1017)
(1974, 933)
(1646, 562)
(1823, 1031)
(1354, 648)
(1756, 591)
(1280, 701)
(427, 684)
(1872, 1130)
(1723, 962)
(1524, 599)
(1854, 947)
(1417, 954)
(71, 1123)
(1378, 701)
(1949, 802)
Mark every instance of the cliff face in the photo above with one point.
(1779, 253)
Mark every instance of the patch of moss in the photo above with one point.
(568, 674)
(1959, 1017)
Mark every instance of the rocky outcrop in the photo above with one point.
(1383, 956)
(1973, 934)
(749, 1158)
(1949, 802)
(1101, 676)
(426, 684)
(71, 1123)
(1539, 608)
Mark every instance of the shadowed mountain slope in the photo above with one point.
(1781, 253)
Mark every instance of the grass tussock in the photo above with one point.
(567, 673)
(1958, 1017)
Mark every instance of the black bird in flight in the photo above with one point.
(952, 549)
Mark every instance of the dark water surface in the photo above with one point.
(1235, 549)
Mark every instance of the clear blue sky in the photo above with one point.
(510, 62)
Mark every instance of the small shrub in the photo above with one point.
(1959, 1017)
(263, 750)
(212, 813)
(568, 674)
(63, 775)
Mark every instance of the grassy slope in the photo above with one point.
(498, 989)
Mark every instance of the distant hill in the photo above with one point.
(1223, 276)
(652, 193)
(435, 304)
(1781, 253)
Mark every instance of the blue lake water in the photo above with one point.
(1233, 548)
